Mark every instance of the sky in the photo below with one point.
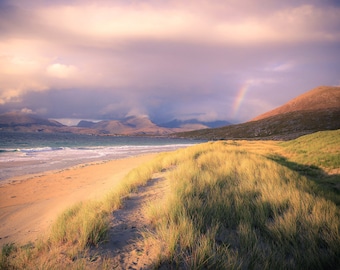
(168, 59)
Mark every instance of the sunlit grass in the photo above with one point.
(232, 205)
(78, 228)
(322, 149)
(230, 208)
(317, 156)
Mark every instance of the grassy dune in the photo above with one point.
(232, 205)
(230, 208)
(75, 231)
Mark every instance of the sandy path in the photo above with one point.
(126, 248)
(27, 208)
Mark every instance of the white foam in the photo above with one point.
(38, 160)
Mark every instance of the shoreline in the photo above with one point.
(29, 204)
(39, 160)
(24, 177)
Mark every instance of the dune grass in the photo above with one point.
(322, 149)
(317, 157)
(232, 205)
(77, 229)
(230, 208)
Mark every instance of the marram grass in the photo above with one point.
(232, 205)
(321, 149)
(78, 228)
(234, 209)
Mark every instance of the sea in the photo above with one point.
(34, 153)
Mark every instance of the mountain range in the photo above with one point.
(132, 125)
(317, 109)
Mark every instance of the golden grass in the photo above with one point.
(78, 228)
(233, 204)
(322, 149)
(230, 208)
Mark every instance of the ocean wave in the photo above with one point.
(39, 159)
(41, 149)
(9, 150)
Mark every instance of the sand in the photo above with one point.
(30, 204)
(126, 247)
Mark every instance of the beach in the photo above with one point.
(30, 204)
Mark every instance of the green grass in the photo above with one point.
(322, 149)
(232, 205)
(317, 157)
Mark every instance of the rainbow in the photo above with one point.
(239, 98)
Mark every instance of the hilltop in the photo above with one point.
(315, 110)
(323, 98)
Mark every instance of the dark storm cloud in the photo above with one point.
(198, 59)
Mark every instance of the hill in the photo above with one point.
(13, 119)
(323, 98)
(315, 110)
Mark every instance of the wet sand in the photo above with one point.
(30, 204)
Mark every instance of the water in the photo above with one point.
(32, 153)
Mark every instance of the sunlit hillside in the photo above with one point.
(315, 110)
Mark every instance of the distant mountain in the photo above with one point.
(15, 119)
(142, 125)
(132, 125)
(21, 122)
(316, 110)
(86, 124)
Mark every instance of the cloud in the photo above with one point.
(168, 59)
(27, 111)
(18, 75)
(61, 71)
